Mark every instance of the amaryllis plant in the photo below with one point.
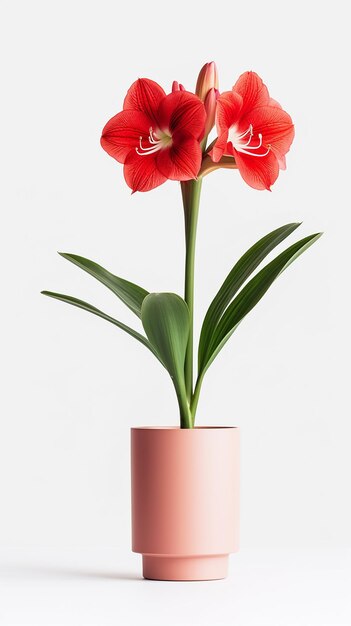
(159, 137)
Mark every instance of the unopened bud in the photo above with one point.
(177, 86)
(208, 79)
(210, 107)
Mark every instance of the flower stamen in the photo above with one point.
(152, 136)
(248, 131)
(247, 148)
(155, 144)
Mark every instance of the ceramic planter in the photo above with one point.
(185, 501)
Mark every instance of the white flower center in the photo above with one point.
(242, 142)
(157, 140)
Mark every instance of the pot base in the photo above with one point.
(208, 567)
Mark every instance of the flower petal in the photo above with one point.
(141, 173)
(123, 131)
(274, 124)
(229, 107)
(220, 147)
(252, 90)
(274, 103)
(258, 172)
(144, 95)
(182, 111)
(282, 162)
(182, 161)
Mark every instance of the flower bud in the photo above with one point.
(210, 107)
(177, 86)
(208, 79)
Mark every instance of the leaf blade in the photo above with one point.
(166, 321)
(131, 294)
(242, 269)
(165, 318)
(252, 293)
(81, 304)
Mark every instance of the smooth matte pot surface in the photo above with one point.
(185, 501)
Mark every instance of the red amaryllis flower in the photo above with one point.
(156, 135)
(254, 129)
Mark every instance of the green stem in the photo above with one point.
(191, 191)
(184, 406)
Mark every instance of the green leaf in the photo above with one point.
(235, 279)
(132, 295)
(91, 309)
(165, 317)
(251, 294)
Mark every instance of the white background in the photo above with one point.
(73, 385)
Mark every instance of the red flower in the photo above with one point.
(156, 135)
(254, 129)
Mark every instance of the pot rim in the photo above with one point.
(184, 429)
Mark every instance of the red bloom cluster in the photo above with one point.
(160, 137)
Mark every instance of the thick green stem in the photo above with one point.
(186, 420)
(191, 191)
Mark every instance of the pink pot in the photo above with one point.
(185, 501)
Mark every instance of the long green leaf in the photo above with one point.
(235, 279)
(91, 309)
(132, 295)
(165, 317)
(251, 294)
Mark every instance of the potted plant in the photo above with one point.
(185, 480)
